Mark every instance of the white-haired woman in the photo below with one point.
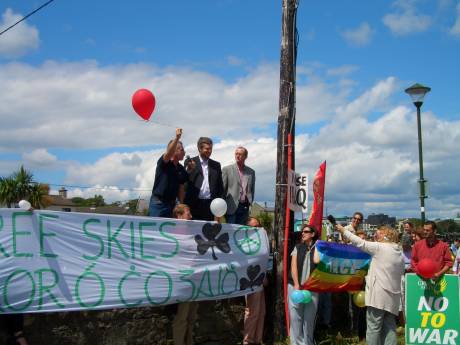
(383, 283)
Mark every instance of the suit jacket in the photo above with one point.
(196, 180)
(232, 185)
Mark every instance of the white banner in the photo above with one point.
(297, 191)
(61, 261)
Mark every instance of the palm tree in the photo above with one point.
(20, 185)
(8, 192)
(24, 181)
(39, 195)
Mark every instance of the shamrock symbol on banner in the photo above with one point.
(210, 231)
(253, 281)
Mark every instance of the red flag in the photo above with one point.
(316, 216)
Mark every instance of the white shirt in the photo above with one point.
(205, 192)
(456, 267)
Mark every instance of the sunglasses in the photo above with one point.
(307, 232)
(358, 218)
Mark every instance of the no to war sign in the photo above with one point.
(61, 261)
(432, 310)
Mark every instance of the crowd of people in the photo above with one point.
(202, 179)
(392, 256)
(186, 192)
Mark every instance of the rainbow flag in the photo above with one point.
(342, 267)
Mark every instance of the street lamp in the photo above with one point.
(417, 92)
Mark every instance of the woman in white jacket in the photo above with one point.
(383, 283)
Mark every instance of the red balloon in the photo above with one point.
(143, 103)
(426, 268)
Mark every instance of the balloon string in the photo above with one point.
(159, 123)
(164, 124)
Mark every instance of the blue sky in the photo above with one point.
(68, 73)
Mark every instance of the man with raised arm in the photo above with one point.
(170, 177)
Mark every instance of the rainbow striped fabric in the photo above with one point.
(342, 267)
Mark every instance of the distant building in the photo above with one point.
(60, 202)
(380, 219)
(257, 209)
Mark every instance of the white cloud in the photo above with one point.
(406, 20)
(38, 158)
(83, 105)
(342, 70)
(372, 160)
(19, 40)
(234, 61)
(371, 100)
(455, 30)
(360, 36)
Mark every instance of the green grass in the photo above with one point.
(336, 338)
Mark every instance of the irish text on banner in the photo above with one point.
(61, 261)
(432, 310)
(319, 182)
(342, 267)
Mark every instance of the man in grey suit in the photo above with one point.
(239, 183)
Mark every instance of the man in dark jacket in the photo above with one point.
(204, 182)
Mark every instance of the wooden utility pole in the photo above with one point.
(286, 125)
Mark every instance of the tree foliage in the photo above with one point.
(266, 220)
(21, 185)
(96, 201)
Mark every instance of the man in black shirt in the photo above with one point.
(170, 177)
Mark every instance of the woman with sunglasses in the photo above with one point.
(383, 283)
(303, 262)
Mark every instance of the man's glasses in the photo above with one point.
(358, 219)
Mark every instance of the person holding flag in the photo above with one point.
(383, 283)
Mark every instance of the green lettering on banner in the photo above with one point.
(94, 236)
(42, 233)
(145, 239)
(205, 278)
(2, 250)
(146, 287)
(90, 275)
(245, 243)
(47, 288)
(5, 290)
(183, 277)
(170, 237)
(19, 233)
(113, 238)
(133, 240)
(232, 272)
(132, 272)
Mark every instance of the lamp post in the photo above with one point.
(417, 92)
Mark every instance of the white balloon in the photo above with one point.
(25, 205)
(218, 207)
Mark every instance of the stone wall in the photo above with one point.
(218, 322)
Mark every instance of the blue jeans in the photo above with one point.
(158, 208)
(240, 216)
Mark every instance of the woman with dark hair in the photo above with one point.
(302, 315)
